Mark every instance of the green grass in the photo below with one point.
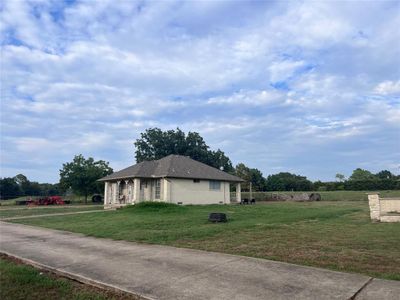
(18, 281)
(328, 195)
(31, 211)
(335, 235)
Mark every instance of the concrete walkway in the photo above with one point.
(160, 272)
(13, 207)
(51, 214)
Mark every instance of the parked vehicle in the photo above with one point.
(50, 200)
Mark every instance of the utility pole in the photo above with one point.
(251, 192)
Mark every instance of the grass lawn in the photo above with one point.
(19, 281)
(335, 235)
(328, 195)
(19, 211)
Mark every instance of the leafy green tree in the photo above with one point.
(361, 174)
(385, 174)
(251, 175)
(81, 175)
(28, 188)
(155, 144)
(285, 181)
(9, 188)
(340, 177)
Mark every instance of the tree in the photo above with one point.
(27, 187)
(250, 175)
(340, 177)
(361, 174)
(285, 181)
(9, 188)
(81, 175)
(155, 144)
(385, 174)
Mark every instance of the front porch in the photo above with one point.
(120, 193)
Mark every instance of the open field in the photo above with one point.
(22, 211)
(335, 235)
(328, 195)
(19, 281)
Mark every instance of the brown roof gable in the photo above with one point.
(174, 166)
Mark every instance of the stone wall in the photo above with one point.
(384, 209)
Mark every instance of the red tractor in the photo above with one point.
(51, 200)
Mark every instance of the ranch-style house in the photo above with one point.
(173, 179)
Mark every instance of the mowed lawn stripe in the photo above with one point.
(31, 211)
(334, 235)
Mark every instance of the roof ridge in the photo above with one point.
(174, 165)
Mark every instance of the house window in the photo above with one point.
(158, 189)
(196, 180)
(215, 185)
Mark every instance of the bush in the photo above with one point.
(155, 206)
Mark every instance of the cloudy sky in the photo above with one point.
(306, 87)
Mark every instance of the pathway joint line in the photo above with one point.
(361, 288)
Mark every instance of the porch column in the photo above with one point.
(166, 190)
(238, 193)
(105, 192)
(117, 192)
(128, 190)
(136, 190)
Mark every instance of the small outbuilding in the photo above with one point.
(173, 179)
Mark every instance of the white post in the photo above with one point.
(105, 192)
(117, 193)
(251, 192)
(136, 190)
(238, 193)
(128, 197)
(166, 190)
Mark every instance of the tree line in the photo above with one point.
(155, 144)
(78, 176)
(20, 186)
(81, 174)
(360, 180)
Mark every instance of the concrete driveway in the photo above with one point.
(161, 272)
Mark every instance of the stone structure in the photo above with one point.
(300, 197)
(384, 209)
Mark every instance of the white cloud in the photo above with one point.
(264, 81)
(249, 98)
(388, 87)
(282, 70)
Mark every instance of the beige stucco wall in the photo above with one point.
(171, 190)
(189, 192)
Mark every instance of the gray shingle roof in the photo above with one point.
(174, 166)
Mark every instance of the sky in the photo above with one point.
(311, 88)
